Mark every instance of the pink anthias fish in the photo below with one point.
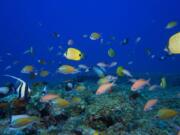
(148, 106)
(104, 88)
(139, 84)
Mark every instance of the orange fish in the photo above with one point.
(148, 106)
(139, 84)
(49, 97)
(104, 88)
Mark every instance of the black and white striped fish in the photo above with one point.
(23, 90)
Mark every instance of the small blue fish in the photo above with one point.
(98, 71)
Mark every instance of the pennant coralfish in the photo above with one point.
(23, 89)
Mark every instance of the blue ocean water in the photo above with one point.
(32, 23)
(26, 24)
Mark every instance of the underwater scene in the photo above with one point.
(90, 67)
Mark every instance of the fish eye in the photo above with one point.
(80, 55)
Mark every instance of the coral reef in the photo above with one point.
(81, 112)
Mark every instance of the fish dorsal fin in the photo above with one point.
(15, 78)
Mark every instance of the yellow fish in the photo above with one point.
(102, 81)
(106, 79)
(44, 73)
(163, 83)
(111, 52)
(95, 36)
(174, 44)
(67, 69)
(96, 133)
(60, 102)
(27, 69)
(42, 62)
(20, 121)
(119, 71)
(73, 54)
(166, 113)
(171, 25)
(80, 88)
(76, 100)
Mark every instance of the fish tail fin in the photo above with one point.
(76, 71)
(65, 54)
